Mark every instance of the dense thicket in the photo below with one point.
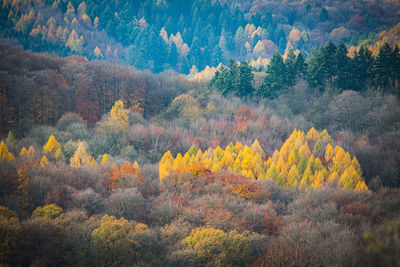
(171, 34)
(40, 88)
(113, 212)
(74, 195)
(328, 68)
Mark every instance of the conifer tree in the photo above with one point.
(276, 80)
(80, 157)
(4, 153)
(44, 161)
(10, 138)
(119, 114)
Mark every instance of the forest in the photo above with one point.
(179, 35)
(103, 164)
(199, 133)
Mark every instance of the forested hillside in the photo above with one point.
(199, 133)
(171, 34)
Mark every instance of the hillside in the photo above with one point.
(223, 133)
(169, 34)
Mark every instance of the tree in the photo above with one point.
(166, 165)
(344, 79)
(323, 15)
(290, 64)
(44, 161)
(275, 82)
(386, 67)
(111, 243)
(4, 153)
(363, 63)
(242, 81)
(10, 138)
(49, 211)
(81, 157)
(281, 40)
(52, 146)
(214, 247)
(128, 175)
(9, 229)
(119, 114)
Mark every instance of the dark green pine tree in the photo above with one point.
(173, 56)
(314, 73)
(217, 56)
(323, 15)
(362, 72)
(344, 79)
(329, 62)
(396, 69)
(290, 63)
(195, 52)
(281, 41)
(300, 65)
(383, 66)
(222, 81)
(243, 80)
(275, 82)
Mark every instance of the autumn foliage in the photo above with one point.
(304, 160)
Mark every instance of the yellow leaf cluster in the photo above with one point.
(296, 165)
(293, 165)
(4, 153)
(120, 114)
(237, 158)
(81, 157)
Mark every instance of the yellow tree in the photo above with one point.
(312, 134)
(329, 153)
(105, 159)
(256, 147)
(31, 151)
(361, 187)
(24, 152)
(93, 162)
(4, 153)
(52, 145)
(293, 176)
(81, 157)
(112, 244)
(238, 147)
(119, 114)
(166, 165)
(44, 161)
(228, 159)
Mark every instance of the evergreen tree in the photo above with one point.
(290, 64)
(362, 71)
(281, 41)
(275, 81)
(323, 15)
(300, 65)
(382, 66)
(217, 56)
(243, 80)
(344, 79)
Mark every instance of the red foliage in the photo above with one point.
(357, 21)
(244, 112)
(126, 169)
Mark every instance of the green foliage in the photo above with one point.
(276, 80)
(112, 244)
(10, 138)
(236, 79)
(49, 211)
(214, 247)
